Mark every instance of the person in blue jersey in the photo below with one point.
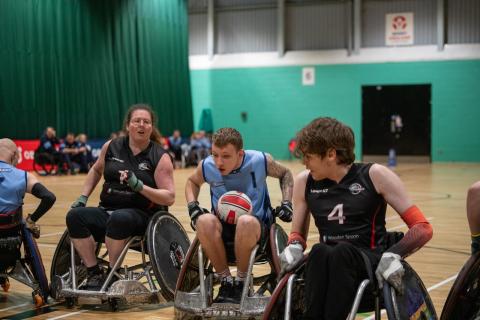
(14, 183)
(473, 215)
(347, 201)
(231, 168)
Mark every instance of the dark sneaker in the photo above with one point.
(237, 291)
(94, 282)
(225, 292)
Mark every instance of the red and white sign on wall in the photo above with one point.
(399, 29)
(26, 150)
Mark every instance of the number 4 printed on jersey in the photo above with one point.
(337, 214)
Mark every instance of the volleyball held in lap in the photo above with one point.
(232, 205)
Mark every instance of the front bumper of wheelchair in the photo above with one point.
(126, 291)
(192, 303)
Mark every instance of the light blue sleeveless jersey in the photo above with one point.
(13, 185)
(250, 179)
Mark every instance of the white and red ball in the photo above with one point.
(232, 205)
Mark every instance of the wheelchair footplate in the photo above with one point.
(198, 302)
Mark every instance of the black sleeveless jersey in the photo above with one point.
(349, 211)
(119, 156)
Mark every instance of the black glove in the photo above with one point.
(284, 211)
(80, 202)
(195, 211)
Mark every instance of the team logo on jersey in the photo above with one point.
(356, 188)
(217, 183)
(143, 166)
(116, 159)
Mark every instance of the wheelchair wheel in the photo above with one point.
(189, 274)
(276, 308)
(167, 244)
(415, 303)
(34, 260)
(44, 164)
(278, 242)
(61, 265)
(463, 301)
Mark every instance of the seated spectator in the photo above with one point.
(176, 142)
(73, 156)
(199, 147)
(48, 148)
(86, 150)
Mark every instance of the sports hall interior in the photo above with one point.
(266, 68)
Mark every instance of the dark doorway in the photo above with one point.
(380, 107)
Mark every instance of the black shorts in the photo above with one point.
(117, 224)
(228, 237)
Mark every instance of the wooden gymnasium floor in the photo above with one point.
(438, 189)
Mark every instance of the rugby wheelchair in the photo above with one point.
(463, 301)
(287, 300)
(162, 249)
(195, 285)
(26, 268)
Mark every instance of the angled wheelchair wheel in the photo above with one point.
(278, 242)
(415, 303)
(276, 308)
(61, 265)
(463, 301)
(167, 244)
(34, 260)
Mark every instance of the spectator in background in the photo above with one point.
(71, 153)
(86, 150)
(176, 142)
(200, 146)
(47, 150)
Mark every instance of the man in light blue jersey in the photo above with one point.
(14, 183)
(230, 168)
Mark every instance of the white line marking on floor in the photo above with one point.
(68, 315)
(51, 234)
(435, 286)
(14, 307)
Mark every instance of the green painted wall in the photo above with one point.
(278, 105)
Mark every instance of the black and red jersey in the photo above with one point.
(348, 211)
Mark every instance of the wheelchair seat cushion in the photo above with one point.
(10, 220)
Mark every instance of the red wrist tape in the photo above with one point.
(297, 237)
(413, 216)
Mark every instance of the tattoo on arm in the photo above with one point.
(276, 170)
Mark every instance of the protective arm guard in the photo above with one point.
(419, 232)
(47, 201)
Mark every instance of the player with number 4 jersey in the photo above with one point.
(348, 202)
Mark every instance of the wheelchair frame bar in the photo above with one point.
(248, 280)
(73, 272)
(118, 262)
(203, 292)
(358, 299)
(288, 298)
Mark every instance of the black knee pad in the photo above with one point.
(121, 225)
(76, 225)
